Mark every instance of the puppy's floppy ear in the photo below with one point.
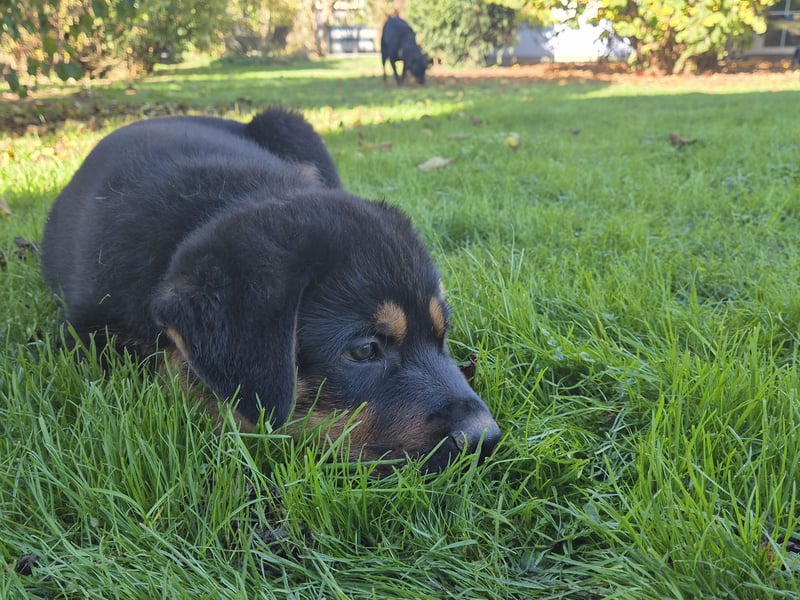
(236, 332)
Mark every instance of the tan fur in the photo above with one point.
(391, 320)
(309, 172)
(179, 342)
(312, 411)
(437, 316)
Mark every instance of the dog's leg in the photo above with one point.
(397, 78)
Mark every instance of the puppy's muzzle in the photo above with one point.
(478, 434)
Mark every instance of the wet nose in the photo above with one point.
(482, 433)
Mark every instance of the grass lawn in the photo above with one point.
(634, 307)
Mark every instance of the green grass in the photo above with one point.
(635, 312)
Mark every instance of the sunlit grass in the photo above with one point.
(634, 308)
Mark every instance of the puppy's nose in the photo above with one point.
(483, 433)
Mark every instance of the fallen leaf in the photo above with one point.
(512, 141)
(5, 210)
(25, 248)
(436, 162)
(372, 146)
(468, 369)
(678, 141)
(26, 564)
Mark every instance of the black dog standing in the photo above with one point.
(398, 42)
(233, 249)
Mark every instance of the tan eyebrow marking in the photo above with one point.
(391, 320)
(437, 316)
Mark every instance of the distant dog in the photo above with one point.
(398, 42)
(233, 249)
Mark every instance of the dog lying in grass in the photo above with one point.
(232, 250)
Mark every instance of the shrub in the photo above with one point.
(458, 31)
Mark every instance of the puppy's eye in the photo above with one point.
(365, 350)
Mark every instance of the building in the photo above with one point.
(783, 31)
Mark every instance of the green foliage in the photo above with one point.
(73, 38)
(167, 28)
(667, 35)
(458, 31)
(670, 34)
(67, 39)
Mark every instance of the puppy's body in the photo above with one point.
(234, 247)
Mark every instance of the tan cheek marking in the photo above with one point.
(363, 434)
(437, 316)
(305, 395)
(310, 412)
(391, 319)
(311, 409)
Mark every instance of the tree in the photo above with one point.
(260, 25)
(461, 30)
(73, 38)
(67, 38)
(166, 28)
(667, 35)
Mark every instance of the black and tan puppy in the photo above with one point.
(233, 248)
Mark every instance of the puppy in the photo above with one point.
(398, 42)
(233, 249)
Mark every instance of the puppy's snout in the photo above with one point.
(480, 433)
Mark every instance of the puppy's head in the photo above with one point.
(339, 296)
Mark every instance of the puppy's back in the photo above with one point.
(137, 195)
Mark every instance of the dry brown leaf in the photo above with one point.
(468, 369)
(678, 141)
(436, 162)
(25, 248)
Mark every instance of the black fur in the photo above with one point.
(398, 42)
(233, 247)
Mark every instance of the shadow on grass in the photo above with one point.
(233, 86)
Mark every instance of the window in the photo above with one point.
(783, 25)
